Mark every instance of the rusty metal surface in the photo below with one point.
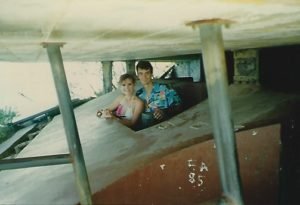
(190, 176)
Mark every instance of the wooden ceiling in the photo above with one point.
(97, 30)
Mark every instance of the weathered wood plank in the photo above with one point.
(112, 150)
(6, 145)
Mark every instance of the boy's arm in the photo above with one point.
(174, 101)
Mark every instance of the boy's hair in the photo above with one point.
(126, 76)
(144, 65)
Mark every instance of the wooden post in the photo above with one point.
(220, 109)
(107, 76)
(130, 67)
(66, 109)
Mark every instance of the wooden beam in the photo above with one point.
(107, 76)
(220, 110)
(130, 67)
(66, 109)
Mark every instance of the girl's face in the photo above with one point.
(127, 87)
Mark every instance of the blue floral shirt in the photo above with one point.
(161, 97)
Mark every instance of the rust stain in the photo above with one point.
(45, 44)
(196, 23)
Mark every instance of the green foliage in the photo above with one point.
(6, 117)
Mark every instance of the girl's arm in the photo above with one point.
(115, 104)
(107, 112)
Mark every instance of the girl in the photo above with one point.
(127, 107)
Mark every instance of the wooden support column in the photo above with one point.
(107, 76)
(130, 67)
(66, 109)
(220, 110)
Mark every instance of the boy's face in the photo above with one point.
(145, 76)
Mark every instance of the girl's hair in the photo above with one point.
(126, 76)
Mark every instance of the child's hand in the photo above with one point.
(107, 113)
(158, 114)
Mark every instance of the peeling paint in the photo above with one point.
(162, 166)
(195, 176)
